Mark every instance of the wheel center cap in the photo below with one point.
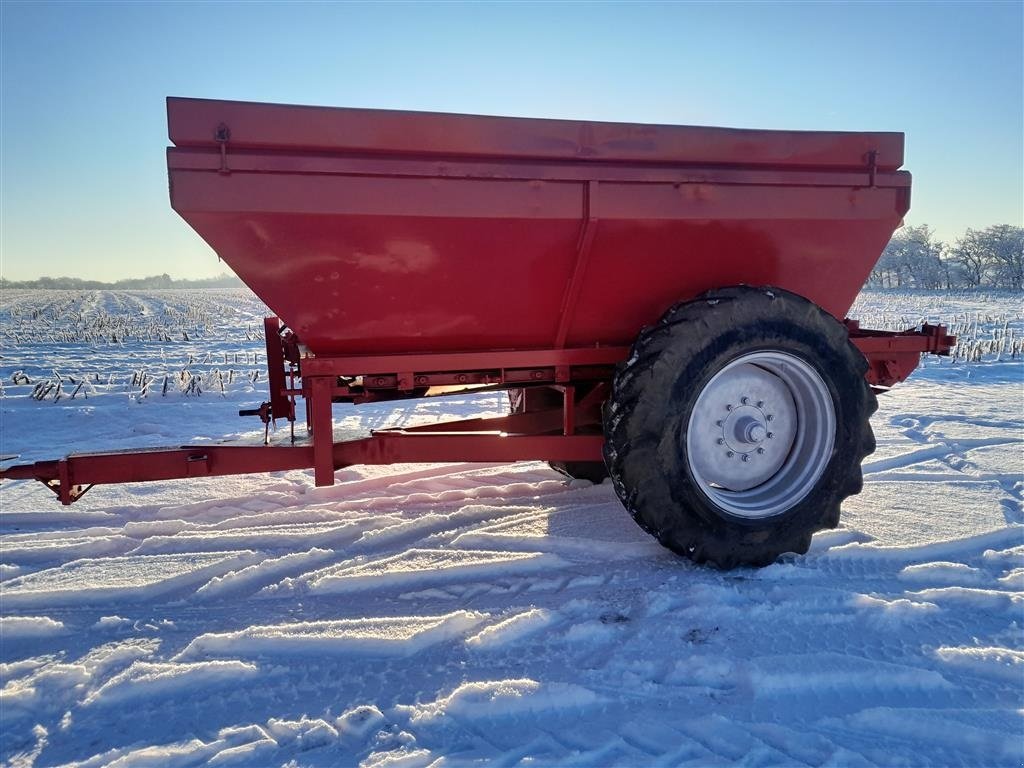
(750, 430)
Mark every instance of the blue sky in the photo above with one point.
(83, 127)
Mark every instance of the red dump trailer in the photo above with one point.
(664, 304)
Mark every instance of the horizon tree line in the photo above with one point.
(980, 258)
(223, 280)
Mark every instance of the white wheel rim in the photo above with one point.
(760, 434)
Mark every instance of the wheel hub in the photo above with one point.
(745, 428)
(729, 432)
(760, 433)
(751, 430)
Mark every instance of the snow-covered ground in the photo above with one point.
(458, 614)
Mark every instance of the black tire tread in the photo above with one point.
(628, 449)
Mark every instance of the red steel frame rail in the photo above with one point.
(505, 439)
(893, 355)
(548, 435)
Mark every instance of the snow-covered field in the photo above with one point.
(459, 614)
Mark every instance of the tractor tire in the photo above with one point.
(542, 398)
(738, 426)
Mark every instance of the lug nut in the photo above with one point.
(760, 403)
(746, 457)
(720, 441)
(744, 400)
(768, 417)
(760, 450)
(718, 423)
(729, 454)
(771, 435)
(728, 407)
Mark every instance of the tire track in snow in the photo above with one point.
(119, 579)
(832, 658)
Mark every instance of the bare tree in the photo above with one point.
(918, 258)
(887, 272)
(1005, 245)
(971, 255)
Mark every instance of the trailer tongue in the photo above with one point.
(598, 271)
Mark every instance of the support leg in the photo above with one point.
(319, 409)
(568, 409)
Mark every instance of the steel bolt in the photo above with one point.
(461, 378)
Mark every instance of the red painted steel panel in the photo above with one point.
(362, 265)
(664, 244)
(413, 252)
(193, 122)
